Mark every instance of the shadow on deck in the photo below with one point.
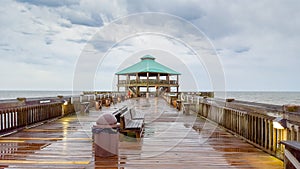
(171, 140)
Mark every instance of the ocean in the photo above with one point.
(277, 98)
(13, 94)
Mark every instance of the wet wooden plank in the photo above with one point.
(171, 140)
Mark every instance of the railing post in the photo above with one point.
(1, 120)
(291, 154)
(298, 134)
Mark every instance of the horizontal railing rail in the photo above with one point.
(150, 81)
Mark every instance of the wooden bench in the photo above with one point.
(136, 115)
(119, 112)
(123, 109)
(129, 125)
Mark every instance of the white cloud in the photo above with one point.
(257, 42)
(52, 3)
(34, 40)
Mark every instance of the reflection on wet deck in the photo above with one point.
(171, 140)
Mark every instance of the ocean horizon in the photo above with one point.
(13, 94)
(269, 97)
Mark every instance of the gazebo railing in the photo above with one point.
(151, 81)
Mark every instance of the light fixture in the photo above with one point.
(65, 102)
(279, 123)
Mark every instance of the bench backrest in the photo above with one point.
(123, 109)
(136, 115)
(119, 112)
(125, 118)
(133, 113)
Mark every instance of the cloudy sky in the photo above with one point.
(53, 45)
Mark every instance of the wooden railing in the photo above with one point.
(291, 154)
(254, 127)
(150, 81)
(23, 112)
(19, 117)
(251, 121)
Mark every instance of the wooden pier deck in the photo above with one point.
(171, 140)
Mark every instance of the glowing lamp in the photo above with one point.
(65, 102)
(279, 123)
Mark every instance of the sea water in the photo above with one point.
(13, 94)
(277, 98)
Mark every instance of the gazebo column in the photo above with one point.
(177, 82)
(168, 82)
(137, 78)
(127, 83)
(127, 79)
(168, 79)
(137, 84)
(158, 84)
(138, 91)
(118, 83)
(147, 82)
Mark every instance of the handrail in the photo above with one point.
(18, 117)
(150, 81)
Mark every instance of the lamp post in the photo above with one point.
(279, 123)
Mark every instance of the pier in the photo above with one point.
(160, 127)
(171, 139)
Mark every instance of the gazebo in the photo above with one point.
(147, 76)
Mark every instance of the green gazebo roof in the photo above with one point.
(147, 64)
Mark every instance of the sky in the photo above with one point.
(79, 44)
